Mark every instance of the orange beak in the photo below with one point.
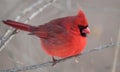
(87, 31)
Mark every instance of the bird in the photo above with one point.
(62, 37)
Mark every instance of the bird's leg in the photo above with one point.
(54, 61)
(76, 58)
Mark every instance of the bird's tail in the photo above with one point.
(19, 25)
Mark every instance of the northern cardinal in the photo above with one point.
(62, 37)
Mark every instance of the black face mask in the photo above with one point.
(81, 28)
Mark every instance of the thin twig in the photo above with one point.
(116, 53)
(50, 63)
(9, 34)
(6, 38)
(28, 9)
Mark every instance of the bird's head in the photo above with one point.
(82, 23)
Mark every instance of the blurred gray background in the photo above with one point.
(23, 50)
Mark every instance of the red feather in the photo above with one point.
(60, 37)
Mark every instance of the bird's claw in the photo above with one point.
(54, 61)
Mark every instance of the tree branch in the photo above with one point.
(9, 34)
(50, 63)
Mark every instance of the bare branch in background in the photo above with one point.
(116, 53)
(9, 34)
(50, 63)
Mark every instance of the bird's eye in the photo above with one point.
(81, 28)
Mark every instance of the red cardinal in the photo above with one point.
(62, 37)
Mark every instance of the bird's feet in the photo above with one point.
(54, 61)
(76, 58)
